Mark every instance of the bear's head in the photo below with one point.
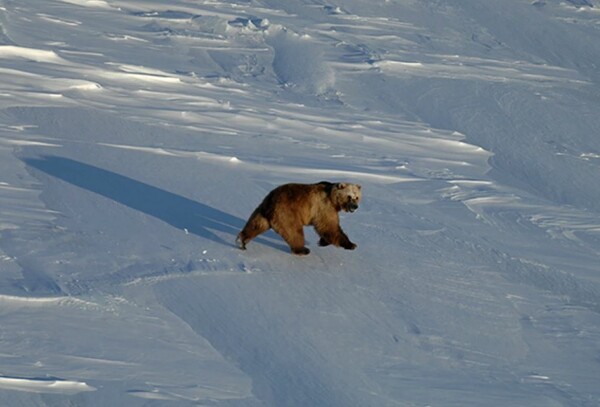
(346, 196)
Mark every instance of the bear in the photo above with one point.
(290, 207)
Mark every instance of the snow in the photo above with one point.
(44, 386)
(137, 136)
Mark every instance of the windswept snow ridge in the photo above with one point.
(44, 386)
(137, 136)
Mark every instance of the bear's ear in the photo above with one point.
(359, 186)
(341, 185)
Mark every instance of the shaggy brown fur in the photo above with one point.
(289, 207)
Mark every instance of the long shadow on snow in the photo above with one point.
(177, 211)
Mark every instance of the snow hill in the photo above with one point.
(137, 136)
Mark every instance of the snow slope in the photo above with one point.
(136, 136)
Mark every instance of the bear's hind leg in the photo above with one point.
(295, 239)
(256, 225)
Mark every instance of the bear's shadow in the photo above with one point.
(176, 210)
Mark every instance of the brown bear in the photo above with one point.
(290, 207)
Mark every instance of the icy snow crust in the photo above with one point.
(136, 137)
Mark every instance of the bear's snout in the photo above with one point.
(352, 206)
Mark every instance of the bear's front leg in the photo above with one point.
(348, 245)
(331, 233)
(345, 241)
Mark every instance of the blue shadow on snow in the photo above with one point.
(177, 211)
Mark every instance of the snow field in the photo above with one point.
(137, 136)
